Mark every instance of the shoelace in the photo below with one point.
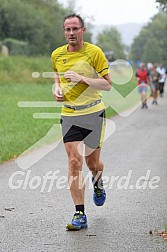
(77, 216)
(98, 191)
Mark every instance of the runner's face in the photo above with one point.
(73, 31)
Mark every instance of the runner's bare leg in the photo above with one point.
(75, 179)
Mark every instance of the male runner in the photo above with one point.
(81, 71)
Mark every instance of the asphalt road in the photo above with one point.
(33, 214)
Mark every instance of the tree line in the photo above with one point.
(151, 43)
(34, 27)
(162, 5)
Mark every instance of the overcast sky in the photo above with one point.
(115, 12)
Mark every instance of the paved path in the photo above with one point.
(31, 220)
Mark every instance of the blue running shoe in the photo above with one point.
(99, 195)
(79, 221)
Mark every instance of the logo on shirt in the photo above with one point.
(64, 61)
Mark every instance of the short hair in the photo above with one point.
(142, 64)
(73, 16)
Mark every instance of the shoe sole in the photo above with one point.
(70, 227)
(99, 204)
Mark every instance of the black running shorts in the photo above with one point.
(87, 128)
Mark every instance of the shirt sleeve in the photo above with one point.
(53, 56)
(100, 63)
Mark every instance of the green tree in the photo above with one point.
(151, 51)
(138, 44)
(110, 40)
(151, 43)
(163, 4)
(36, 22)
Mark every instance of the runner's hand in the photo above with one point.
(72, 76)
(58, 94)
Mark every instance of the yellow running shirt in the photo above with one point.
(90, 62)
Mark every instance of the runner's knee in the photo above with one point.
(75, 165)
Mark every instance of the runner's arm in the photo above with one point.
(102, 83)
(58, 93)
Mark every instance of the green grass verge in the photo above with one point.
(18, 129)
(19, 69)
